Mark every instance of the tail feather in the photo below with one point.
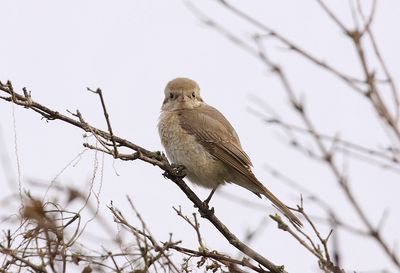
(282, 207)
(250, 182)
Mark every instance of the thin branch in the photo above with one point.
(105, 112)
(155, 159)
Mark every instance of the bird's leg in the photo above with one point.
(207, 211)
(211, 195)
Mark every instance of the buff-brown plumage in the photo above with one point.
(199, 137)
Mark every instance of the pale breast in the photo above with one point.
(183, 149)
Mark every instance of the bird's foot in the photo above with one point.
(178, 170)
(205, 210)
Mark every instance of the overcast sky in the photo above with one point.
(131, 49)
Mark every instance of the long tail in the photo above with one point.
(281, 206)
(248, 180)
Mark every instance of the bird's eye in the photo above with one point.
(193, 95)
(171, 96)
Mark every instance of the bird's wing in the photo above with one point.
(217, 136)
(213, 131)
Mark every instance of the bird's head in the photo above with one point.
(181, 93)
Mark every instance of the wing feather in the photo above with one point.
(217, 135)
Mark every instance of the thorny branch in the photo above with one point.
(151, 251)
(369, 87)
(154, 158)
(46, 241)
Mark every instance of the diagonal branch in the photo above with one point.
(154, 158)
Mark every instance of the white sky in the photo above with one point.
(131, 49)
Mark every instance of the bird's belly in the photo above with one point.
(183, 149)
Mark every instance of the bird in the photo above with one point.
(199, 137)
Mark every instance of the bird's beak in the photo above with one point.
(183, 97)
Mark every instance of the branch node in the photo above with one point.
(28, 97)
(355, 35)
(278, 220)
(298, 106)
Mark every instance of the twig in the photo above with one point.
(155, 159)
(105, 112)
